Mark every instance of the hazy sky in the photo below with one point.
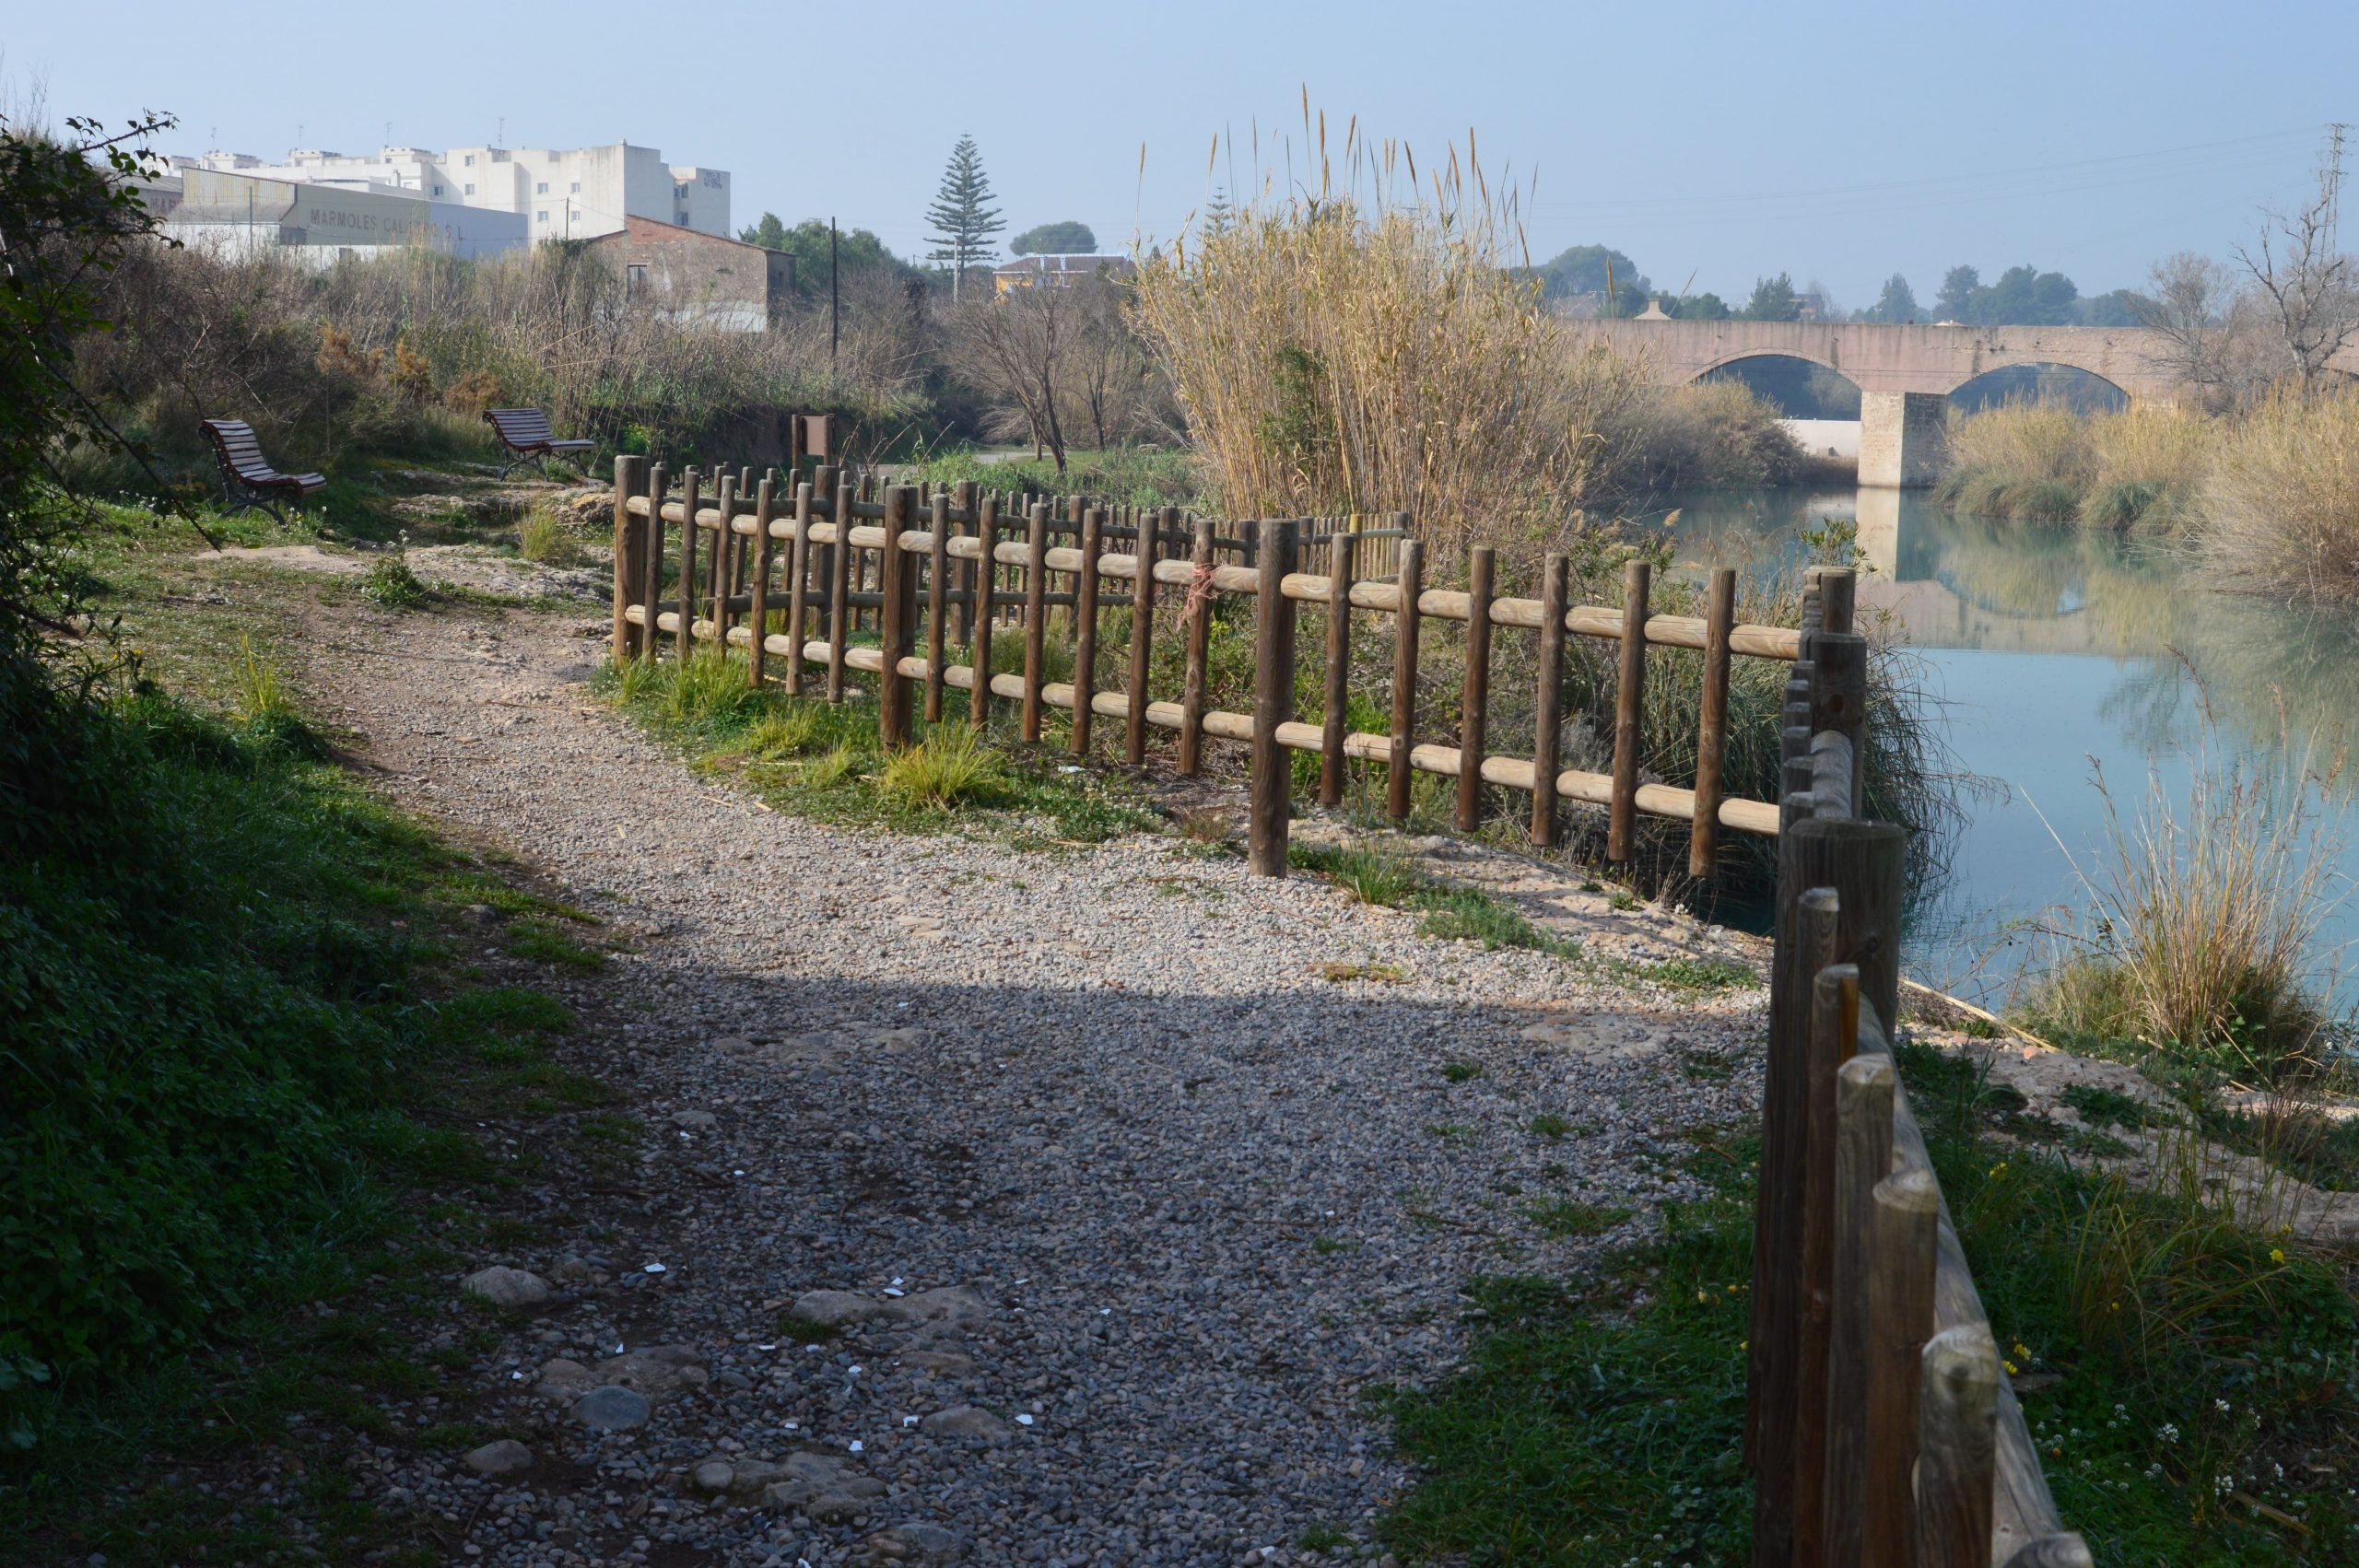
(1841, 142)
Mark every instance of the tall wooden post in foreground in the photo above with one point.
(1272, 700)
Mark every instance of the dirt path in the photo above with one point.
(1113, 1201)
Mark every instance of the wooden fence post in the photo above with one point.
(1712, 728)
(1036, 610)
(1475, 696)
(1957, 1448)
(630, 557)
(1274, 619)
(937, 603)
(1630, 712)
(1143, 587)
(759, 611)
(1833, 1034)
(1085, 628)
(1338, 693)
(1410, 580)
(1200, 631)
(1548, 729)
(980, 613)
(1863, 1093)
(651, 574)
(840, 561)
(970, 525)
(687, 607)
(725, 557)
(798, 584)
(895, 584)
(1900, 1319)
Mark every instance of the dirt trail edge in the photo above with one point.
(1018, 1208)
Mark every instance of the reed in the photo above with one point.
(2204, 907)
(2280, 502)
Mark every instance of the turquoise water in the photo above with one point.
(2048, 654)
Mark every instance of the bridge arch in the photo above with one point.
(1803, 386)
(2039, 380)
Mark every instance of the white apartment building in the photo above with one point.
(562, 193)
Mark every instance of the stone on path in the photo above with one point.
(503, 1286)
(504, 1457)
(916, 1542)
(611, 1408)
(835, 1308)
(965, 1420)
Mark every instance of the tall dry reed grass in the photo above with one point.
(2281, 500)
(2200, 942)
(1350, 348)
(2137, 466)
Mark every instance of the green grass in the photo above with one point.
(234, 973)
(1453, 914)
(388, 584)
(1597, 1421)
(1560, 1218)
(823, 761)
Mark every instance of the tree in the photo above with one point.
(1704, 307)
(2025, 296)
(1067, 238)
(1897, 306)
(1593, 269)
(1220, 213)
(769, 234)
(2193, 300)
(2306, 280)
(1774, 300)
(962, 218)
(1015, 348)
(2121, 308)
(1955, 301)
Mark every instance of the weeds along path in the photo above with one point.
(1034, 1207)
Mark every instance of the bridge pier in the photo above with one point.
(1903, 438)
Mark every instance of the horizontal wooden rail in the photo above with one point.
(904, 563)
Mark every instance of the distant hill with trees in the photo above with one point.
(1067, 238)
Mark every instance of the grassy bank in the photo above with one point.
(2268, 496)
(2175, 1370)
(244, 1050)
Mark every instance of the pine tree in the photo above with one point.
(1220, 213)
(962, 219)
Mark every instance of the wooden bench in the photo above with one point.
(525, 433)
(249, 483)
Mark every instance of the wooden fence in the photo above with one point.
(1880, 1425)
(947, 566)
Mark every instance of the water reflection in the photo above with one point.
(2053, 649)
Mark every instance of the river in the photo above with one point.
(2049, 653)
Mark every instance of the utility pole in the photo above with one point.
(834, 300)
(2330, 183)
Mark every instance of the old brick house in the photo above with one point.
(700, 279)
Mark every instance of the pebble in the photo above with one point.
(612, 1408)
(504, 1457)
(503, 1286)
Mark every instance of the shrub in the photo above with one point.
(544, 535)
(391, 585)
(2197, 942)
(949, 769)
(2280, 504)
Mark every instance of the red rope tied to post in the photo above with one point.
(1199, 588)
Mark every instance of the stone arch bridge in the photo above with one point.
(1904, 373)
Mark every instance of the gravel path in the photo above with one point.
(1115, 1201)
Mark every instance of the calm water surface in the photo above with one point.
(2050, 653)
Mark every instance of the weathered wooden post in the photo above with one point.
(937, 603)
(724, 555)
(1338, 692)
(1475, 696)
(759, 611)
(896, 583)
(840, 561)
(1410, 584)
(1273, 699)
(1036, 611)
(1630, 712)
(986, 605)
(1834, 1033)
(1142, 591)
(1711, 740)
(1547, 730)
(1199, 613)
(687, 604)
(798, 583)
(630, 557)
(1085, 628)
(1957, 1448)
(1900, 1319)
(1863, 1096)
